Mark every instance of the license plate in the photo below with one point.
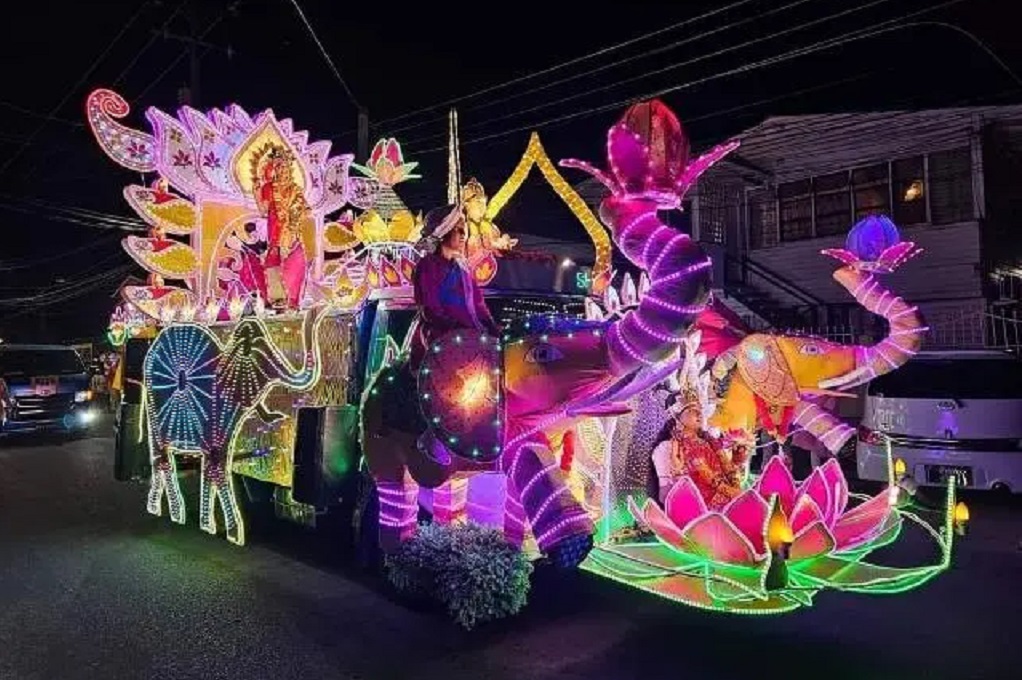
(939, 474)
(44, 387)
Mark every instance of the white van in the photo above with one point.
(947, 413)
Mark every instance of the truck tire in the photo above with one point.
(367, 531)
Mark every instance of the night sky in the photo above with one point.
(414, 58)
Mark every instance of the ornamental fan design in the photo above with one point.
(181, 369)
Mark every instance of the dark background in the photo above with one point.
(60, 197)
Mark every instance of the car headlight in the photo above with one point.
(84, 395)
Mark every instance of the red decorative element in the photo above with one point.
(649, 135)
(568, 455)
(781, 426)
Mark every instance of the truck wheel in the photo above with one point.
(367, 530)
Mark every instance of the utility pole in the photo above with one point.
(190, 95)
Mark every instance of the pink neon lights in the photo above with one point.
(648, 155)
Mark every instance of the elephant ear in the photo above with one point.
(762, 365)
(459, 393)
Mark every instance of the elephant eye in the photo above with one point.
(811, 350)
(543, 354)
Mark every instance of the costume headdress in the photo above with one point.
(690, 387)
(679, 402)
(439, 222)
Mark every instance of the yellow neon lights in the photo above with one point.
(536, 155)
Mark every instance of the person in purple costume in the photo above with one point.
(446, 295)
(447, 298)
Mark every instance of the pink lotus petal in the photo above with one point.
(776, 479)
(813, 541)
(815, 487)
(893, 256)
(684, 502)
(749, 514)
(628, 158)
(862, 523)
(838, 486)
(845, 256)
(393, 152)
(806, 512)
(376, 154)
(662, 525)
(714, 536)
(693, 170)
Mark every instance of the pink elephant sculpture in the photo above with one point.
(503, 406)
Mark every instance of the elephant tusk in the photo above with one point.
(846, 380)
(820, 392)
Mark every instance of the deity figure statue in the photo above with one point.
(485, 240)
(716, 464)
(282, 201)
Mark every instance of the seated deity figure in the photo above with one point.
(716, 464)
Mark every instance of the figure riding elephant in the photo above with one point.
(504, 406)
(199, 391)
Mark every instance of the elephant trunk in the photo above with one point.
(130, 148)
(823, 425)
(305, 377)
(904, 338)
(679, 276)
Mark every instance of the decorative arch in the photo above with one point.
(535, 155)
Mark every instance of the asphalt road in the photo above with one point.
(92, 587)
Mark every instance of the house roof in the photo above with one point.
(791, 146)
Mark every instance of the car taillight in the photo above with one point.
(868, 436)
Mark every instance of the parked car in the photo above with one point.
(947, 413)
(44, 387)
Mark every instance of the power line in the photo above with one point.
(163, 74)
(620, 62)
(672, 67)
(74, 88)
(326, 56)
(751, 66)
(149, 43)
(102, 241)
(565, 64)
(40, 116)
(90, 218)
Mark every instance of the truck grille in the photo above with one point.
(43, 408)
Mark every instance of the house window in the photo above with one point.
(712, 215)
(796, 201)
(951, 186)
(833, 204)
(679, 219)
(908, 185)
(762, 219)
(871, 190)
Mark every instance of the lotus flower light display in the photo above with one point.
(771, 549)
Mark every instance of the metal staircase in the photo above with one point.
(761, 309)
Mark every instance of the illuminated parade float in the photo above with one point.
(278, 357)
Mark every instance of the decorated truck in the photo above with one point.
(280, 365)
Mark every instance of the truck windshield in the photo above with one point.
(508, 309)
(39, 362)
(952, 379)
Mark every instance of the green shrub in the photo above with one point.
(468, 568)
